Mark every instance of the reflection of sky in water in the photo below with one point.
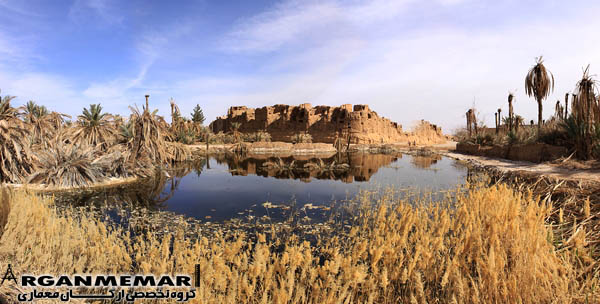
(219, 194)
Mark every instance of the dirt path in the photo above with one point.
(543, 169)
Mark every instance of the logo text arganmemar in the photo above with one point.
(106, 281)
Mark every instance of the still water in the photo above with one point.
(222, 187)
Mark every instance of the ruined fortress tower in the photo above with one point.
(323, 123)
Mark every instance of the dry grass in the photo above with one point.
(485, 245)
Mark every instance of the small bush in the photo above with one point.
(302, 138)
(260, 136)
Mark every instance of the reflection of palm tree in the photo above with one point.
(151, 193)
(327, 170)
(425, 161)
(281, 168)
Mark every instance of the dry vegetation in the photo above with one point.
(578, 130)
(38, 146)
(488, 244)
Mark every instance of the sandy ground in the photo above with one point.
(543, 169)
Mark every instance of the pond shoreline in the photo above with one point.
(275, 149)
(590, 177)
(109, 183)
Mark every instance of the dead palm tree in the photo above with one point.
(539, 82)
(511, 113)
(67, 166)
(152, 139)
(499, 119)
(519, 120)
(95, 128)
(585, 113)
(566, 106)
(496, 121)
(558, 110)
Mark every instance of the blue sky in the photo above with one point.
(407, 59)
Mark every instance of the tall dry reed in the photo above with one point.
(483, 245)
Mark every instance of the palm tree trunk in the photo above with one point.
(510, 116)
(496, 116)
(539, 116)
(566, 105)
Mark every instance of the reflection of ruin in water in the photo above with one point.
(425, 161)
(153, 192)
(273, 186)
(346, 167)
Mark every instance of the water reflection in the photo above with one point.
(344, 167)
(221, 187)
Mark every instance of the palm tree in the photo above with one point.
(539, 82)
(33, 110)
(585, 114)
(499, 120)
(558, 110)
(510, 111)
(152, 140)
(235, 126)
(94, 127)
(496, 121)
(44, 125)
(519, 120)
(6, 111)
(15, 153)
(566, 106)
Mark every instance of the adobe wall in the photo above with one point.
(323, 123)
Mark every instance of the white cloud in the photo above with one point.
(433, 72)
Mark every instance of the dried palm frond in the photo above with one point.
(115, 163)
(585, 106)
(178, 152)
(153, 139)
(583, 123)
(7, 112)
(67, 166)
(15, 154)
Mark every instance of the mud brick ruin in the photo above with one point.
(323, 123)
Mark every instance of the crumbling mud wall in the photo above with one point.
(323, 123)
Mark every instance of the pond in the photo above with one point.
(222, 187)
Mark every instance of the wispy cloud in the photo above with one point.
(19, 7)
(290, 21)
(408, 59)
(105, 10)
(329, 54)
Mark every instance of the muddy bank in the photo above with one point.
(533, 152)
(530, 169)
(111, 182)
(284, 148)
